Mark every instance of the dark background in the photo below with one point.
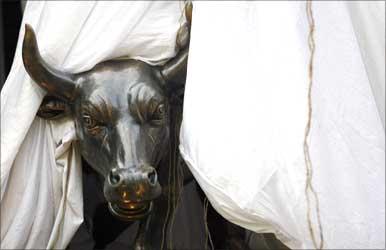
(10, 20)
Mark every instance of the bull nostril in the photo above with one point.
(114, 178)
(152, 177)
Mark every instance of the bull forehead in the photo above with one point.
(121, 83)
(124, 97)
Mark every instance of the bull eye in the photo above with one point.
(93, 126)
(158, 115)
(88, 121)
(160, 110)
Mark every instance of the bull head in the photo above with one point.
(121, 110)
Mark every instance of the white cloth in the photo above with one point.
(245, 112)
(368, 20)
(41, 194)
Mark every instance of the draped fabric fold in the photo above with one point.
(245, 113)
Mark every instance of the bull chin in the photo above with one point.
(130, 211)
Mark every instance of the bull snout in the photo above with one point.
(130, 191)
(118, 177)
(126, 185)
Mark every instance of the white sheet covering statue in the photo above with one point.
(247, 61)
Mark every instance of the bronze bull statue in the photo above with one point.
(121, 111)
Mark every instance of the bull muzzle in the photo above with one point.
(130, 191)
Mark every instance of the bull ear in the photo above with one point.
(53, 108)
(57, 83)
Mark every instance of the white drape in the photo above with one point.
(245, 112)
(244, 115)
(368, 20)
(41, 191)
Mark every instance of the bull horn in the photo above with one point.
(55, 82)
(174, 71)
